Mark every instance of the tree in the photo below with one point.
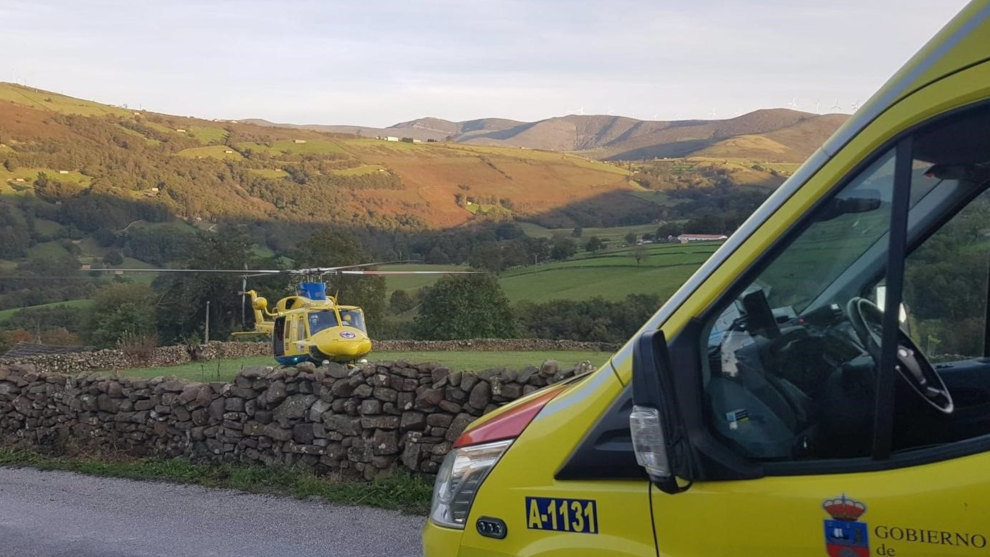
(119, 310)
(594, 244)
(639, 252)
(329, 248)
(487, 256)
(594, 320)
(465, 306)
(59, 263)
(668, 230)
(508, 231)
(630, 238)
(11, 337)
(537, 249)
(113, 257)
(15, 231)
(562, 248)
(184, 296)
(401, 302)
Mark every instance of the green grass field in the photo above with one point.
(414, 282)
(206, 134)
(30, 174)
(6, 314)
(225, 370)
(272, 173)
(53, 102)
(45, 227)
(591, 282)
(213, 151)
(160, 127)
(611, 274)
(366, 145)
(538, 154)
(289, 146)
(360, 170)
(615, 235)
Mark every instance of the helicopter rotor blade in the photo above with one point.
(333, 270)
(356, 269)
(370, 272)
(258, 272)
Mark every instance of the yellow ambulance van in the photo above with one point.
(821, 386)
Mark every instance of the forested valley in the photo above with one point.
(98, 187)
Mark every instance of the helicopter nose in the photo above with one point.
(341, 344)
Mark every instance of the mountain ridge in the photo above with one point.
(609, 137)
(70, 151)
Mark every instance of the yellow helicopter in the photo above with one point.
(310, 325)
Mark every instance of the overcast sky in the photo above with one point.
(379, 62)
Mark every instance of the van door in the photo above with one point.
(830, 421)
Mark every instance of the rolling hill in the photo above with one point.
(774, 135)
(211, 170)
(554, 171)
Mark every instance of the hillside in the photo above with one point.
(211, 170)
(773, 135)
(85, 184)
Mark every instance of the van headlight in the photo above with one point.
(459, 478)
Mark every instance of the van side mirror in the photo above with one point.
(654, 421)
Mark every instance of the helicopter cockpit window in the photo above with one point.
(319, 320)
(793, 358)
(352, 318)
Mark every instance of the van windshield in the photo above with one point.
(845, 244)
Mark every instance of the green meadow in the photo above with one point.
(6, 314)
(289, 146)
(613, 234)
(225, 370)
(53, 102)
(212, 151)
(610, 274)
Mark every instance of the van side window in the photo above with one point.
(782, 354)
(793, 357)
(945, 286)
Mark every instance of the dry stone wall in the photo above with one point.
(360, 422)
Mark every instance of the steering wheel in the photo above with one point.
(913, 367)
